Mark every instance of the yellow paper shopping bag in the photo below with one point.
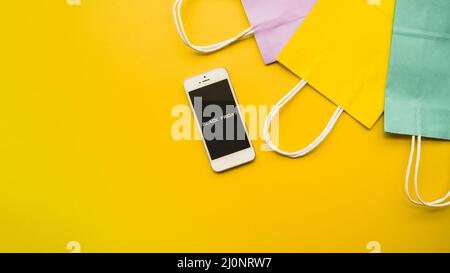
(341, 50)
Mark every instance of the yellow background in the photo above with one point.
(86, 152)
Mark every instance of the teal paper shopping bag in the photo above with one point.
(418, 87)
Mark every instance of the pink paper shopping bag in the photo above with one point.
(273, 22)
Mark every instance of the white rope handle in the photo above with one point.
(208, 48)
(419, 201)
(313, 144)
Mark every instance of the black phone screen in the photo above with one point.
(219, 119)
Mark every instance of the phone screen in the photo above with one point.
(217, 113)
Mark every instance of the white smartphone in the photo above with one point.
(219, 120)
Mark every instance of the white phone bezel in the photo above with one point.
(232, 160)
